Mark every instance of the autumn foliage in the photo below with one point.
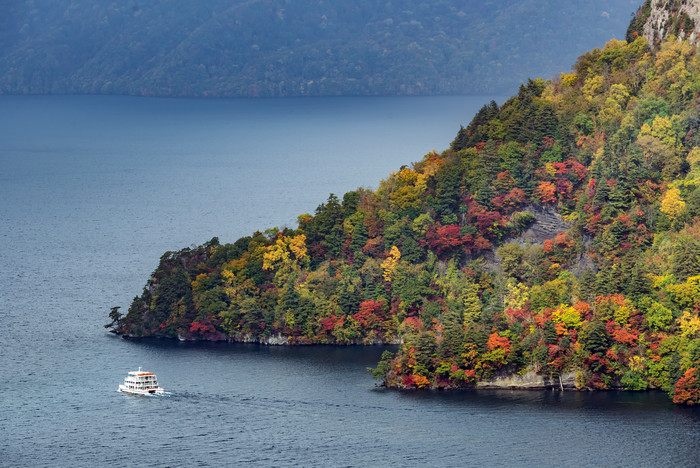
(687, 389)
(559, 234)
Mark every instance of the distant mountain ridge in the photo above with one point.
(271, 48)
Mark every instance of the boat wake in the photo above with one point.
(155, 395)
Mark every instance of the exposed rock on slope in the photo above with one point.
(657, 19)
(531, 380)
(548, 223)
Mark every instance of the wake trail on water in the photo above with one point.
(149, 395)
(280, 406)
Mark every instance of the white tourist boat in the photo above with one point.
(141, 383)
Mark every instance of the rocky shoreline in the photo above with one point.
(273, 340)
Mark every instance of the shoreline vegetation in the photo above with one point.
(558, 238)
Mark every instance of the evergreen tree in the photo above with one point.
(447, 191)
(595, 338)
(453, 335)
(685, 259)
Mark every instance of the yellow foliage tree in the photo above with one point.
(516, 294)
(471, 303)
(672, 205)
(661, 145)
(406, 187)
(614, 104)
(405, 194)
(199, 281)
(637, 364)
(568, 315)
(690, 325)
(421, 224)
(693, 159)
(686, 295)
(390, 263)
(569, 79)
(550, 169)
(593, 87)
(297, 245)
(662, 128)
(279, 252)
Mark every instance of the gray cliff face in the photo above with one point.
(671, 17)
(548, 223)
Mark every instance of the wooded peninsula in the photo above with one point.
(558, 236)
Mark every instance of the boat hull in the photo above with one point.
(149, 391)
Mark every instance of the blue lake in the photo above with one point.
(93, 190)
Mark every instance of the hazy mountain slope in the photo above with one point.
(283, 48)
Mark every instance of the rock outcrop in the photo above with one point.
(532, 381)
(658, 19)
(548, 223)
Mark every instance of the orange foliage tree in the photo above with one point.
(687, 391)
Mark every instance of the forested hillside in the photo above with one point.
(265, 48)
(559, 235)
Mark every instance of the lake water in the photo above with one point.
(94, 189)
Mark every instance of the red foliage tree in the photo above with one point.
(487, 221)
(329, 323)
(687, 391)
(564, 188)
(576, 169)
(199, 327)
(371, 314)
(446, 239)
(481, 243)
(514, 198)
(625, 336)
(204, 330)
